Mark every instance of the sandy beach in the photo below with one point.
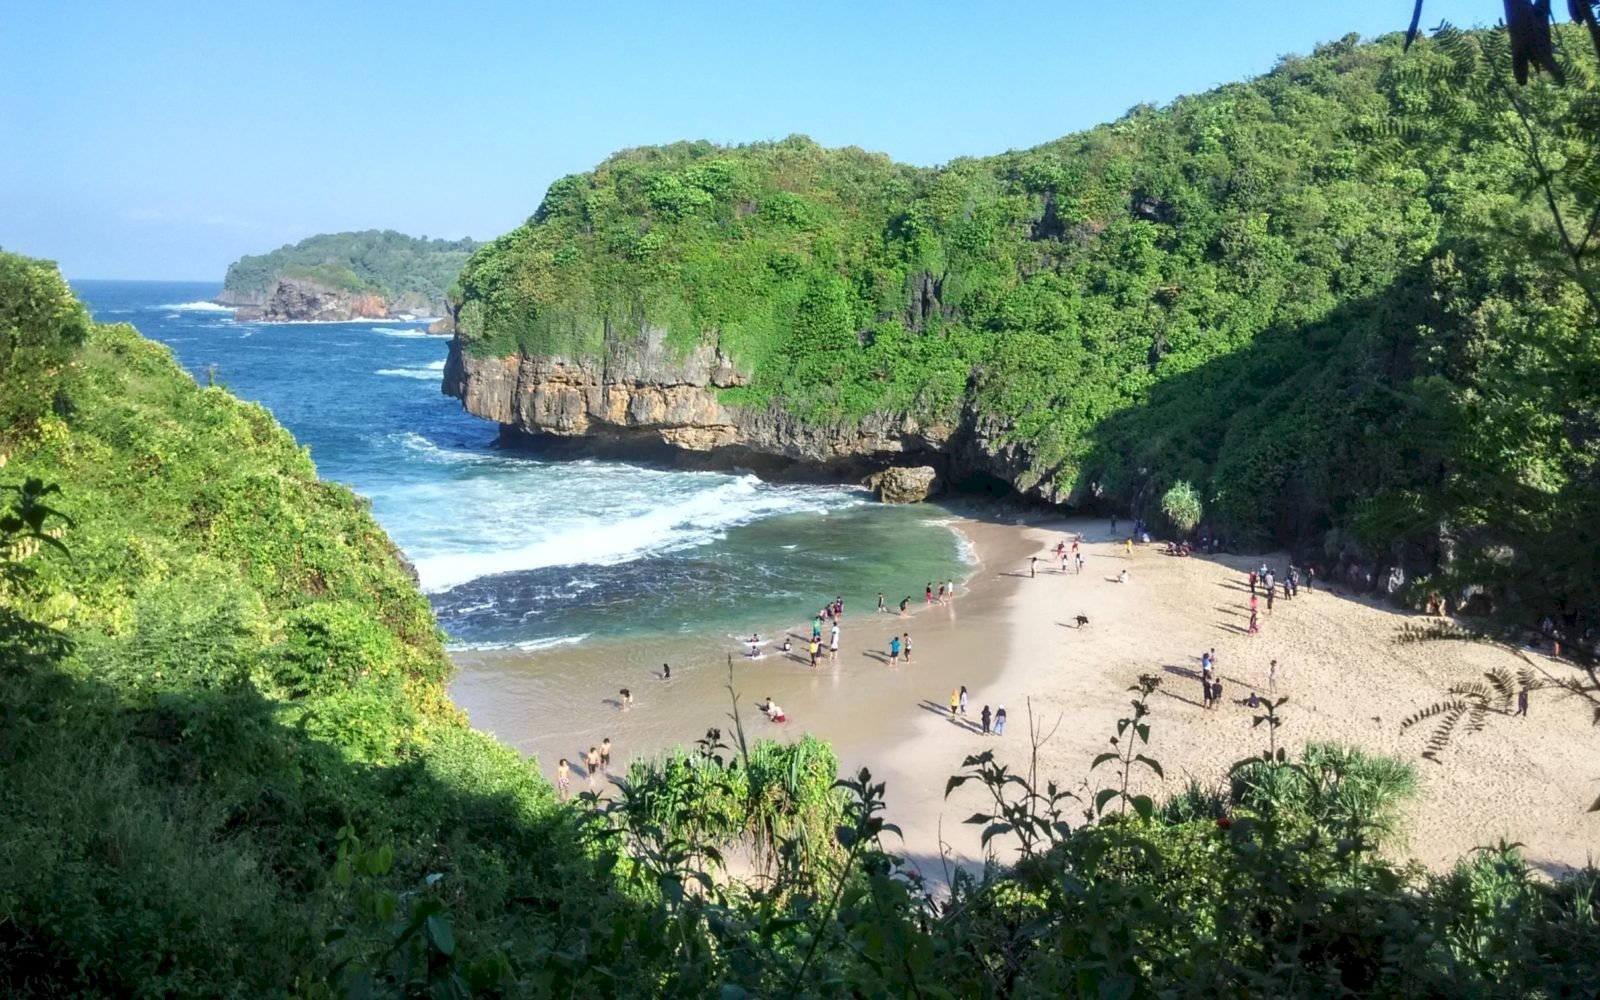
(1013, 640)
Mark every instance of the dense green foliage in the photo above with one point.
(1302, 294)
(400, 268)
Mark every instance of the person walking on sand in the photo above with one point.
(1272, 677)
(1216, 692)
(985, 717)
(881, 609)
(940, 599)
(833, 645)
(666, 672)
(1252, 583)
(1033, 566)
(1255, 624)
(592, 762)
(814, 649)
(1269, 600)
(894, 650)
(905, 647)
(1129, 545)
(1079, 558)
(563, 778)
(1000, 721)
(955, 702)
(1522, 702)
(1205, 664)
(1205, 691)
(605, 753)
(963, 699)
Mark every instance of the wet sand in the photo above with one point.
(1011, 639)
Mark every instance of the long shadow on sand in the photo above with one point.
(943, 711)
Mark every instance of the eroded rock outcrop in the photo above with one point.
(642, 396)
(296, 300)
(906, 484)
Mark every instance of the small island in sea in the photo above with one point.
(332, 277)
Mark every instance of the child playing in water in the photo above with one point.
(563, 778)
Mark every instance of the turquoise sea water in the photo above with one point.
(517, 551)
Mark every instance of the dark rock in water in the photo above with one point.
(296, 300)
(906, 484)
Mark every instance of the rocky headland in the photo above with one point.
(302, 300)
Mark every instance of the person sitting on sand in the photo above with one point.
(1253, 701)
(1122, 577)
(787, 645)
(774, 713)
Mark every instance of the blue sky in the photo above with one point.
(162, 140)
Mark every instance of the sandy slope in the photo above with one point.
(1527, 780)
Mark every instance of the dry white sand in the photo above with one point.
(1012, 640)
(1527, 780)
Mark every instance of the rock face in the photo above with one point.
(645, 400)
(905, 484)
(299, 300)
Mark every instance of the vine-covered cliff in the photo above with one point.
(1247, 289)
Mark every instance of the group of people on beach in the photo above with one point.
(596, 760)
(993, 722)
(1266, 579)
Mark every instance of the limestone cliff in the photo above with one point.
(641, 399)
(297, 300)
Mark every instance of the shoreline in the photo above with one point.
(1012, 641)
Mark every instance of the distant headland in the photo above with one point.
(373, 274)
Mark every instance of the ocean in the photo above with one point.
(521, 553)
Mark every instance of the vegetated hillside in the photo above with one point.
(230, 770)
(1256, 289)
(408, 272)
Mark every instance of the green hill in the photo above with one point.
(411, 274)
(1278, 290)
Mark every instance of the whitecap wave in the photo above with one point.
(684, 523)
(428, 372)
(392, 332)
(207, 307)
(526, 645)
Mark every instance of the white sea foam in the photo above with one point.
(195, 307)
(392, 332)
(427, 372)
(527, 645)
(675, 523)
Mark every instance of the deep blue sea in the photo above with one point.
(515, 551)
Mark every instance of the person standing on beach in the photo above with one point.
(592, 763)
(1272, 677)
(1269, 600)
(985, 718)
(955, 702)
(881, 609)
(1205, 691)
(1079, 557)
(833, 645)
(605, 753)
(563, 778)
(1255, 624)
(894, 650)
(1216, 692)
(1522, 702)
(1311, 578)
(927, 593)
(666, 672)
(963, 699)
(1000, 721)
(1033, 566)
(814, 649)
(905, 646)
(627, 699)
(1252, 583)
(950, 590)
